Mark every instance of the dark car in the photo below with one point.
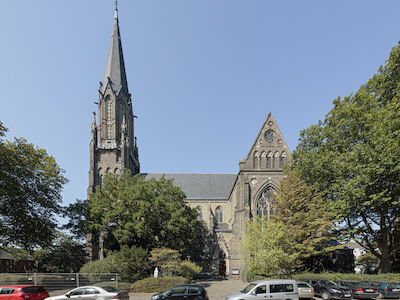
(360, 289)
(386, 289)
(327, 289)
(31, 292)
(187, 292)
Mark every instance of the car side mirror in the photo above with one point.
(68, 295)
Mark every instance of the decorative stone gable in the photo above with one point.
(269, 151)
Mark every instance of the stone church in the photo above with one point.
(224, 201)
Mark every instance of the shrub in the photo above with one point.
(105, 265)
(187, 269)
(130, 263)
(156, 285)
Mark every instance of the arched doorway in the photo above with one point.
(221, 264)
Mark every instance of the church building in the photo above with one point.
(224, 201)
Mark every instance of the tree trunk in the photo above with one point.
(386, 262)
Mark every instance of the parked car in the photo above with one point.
(327, 289)
(187, 292)
(271, 289)
(386, 289)
(360, 289)
(92, 293)
(31, 292)
(306, 291)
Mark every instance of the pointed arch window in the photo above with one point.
(264, 203)
(109, 109)
(276, 160)
(200, 214)
(256, 160)
(218, 214)
(270, 161)
(282, 160)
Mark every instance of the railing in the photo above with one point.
(59, 281)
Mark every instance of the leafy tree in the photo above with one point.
(66, 255)
(302, 211)
(167, 259)
(267, 248)
(353, 158)
(78, 214)
(188, 269)
(30, 193)
(369, 261)
(147, 213)
(132, 263)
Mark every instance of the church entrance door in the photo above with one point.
(222, 268)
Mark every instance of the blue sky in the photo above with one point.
(203, 74)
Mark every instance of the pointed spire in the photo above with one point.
(115, 67)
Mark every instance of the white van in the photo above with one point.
(278, 289)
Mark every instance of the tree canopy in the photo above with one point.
(147, 213)
(307, 223)
(267, 248)
(65, 255)
(353, 158)
(30, 194)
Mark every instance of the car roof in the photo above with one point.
(19, 286)
(274, 281)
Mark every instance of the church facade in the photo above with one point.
(224, 201)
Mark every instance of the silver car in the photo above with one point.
(306, 291)
(92, 293)
(271, 289)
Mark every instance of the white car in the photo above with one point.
(271, 289)
(306, 291)
(92, 293)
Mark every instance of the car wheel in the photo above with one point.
(325, 296)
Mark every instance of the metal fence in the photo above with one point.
(59, 281)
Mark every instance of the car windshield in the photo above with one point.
(109, 289)
(328, 283)
(248, 288)
(303, 285)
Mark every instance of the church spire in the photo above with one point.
(115, 66)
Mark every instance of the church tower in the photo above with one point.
(113, 145)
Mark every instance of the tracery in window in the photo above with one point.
(264, 203)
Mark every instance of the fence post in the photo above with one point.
(35, 281)
(77, 280)
(116, 280)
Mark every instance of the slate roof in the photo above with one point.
(201, 186)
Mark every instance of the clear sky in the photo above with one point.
(203, 74)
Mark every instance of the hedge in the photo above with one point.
(156, 285)
(391, 277)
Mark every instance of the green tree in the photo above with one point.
(353, 158)
(369, 261)
(66, 255)
(302, 211)
(167, 259)
(147, 213)
(266, 248)
(30, 194)
(78, 215)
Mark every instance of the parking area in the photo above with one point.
(217, 290)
